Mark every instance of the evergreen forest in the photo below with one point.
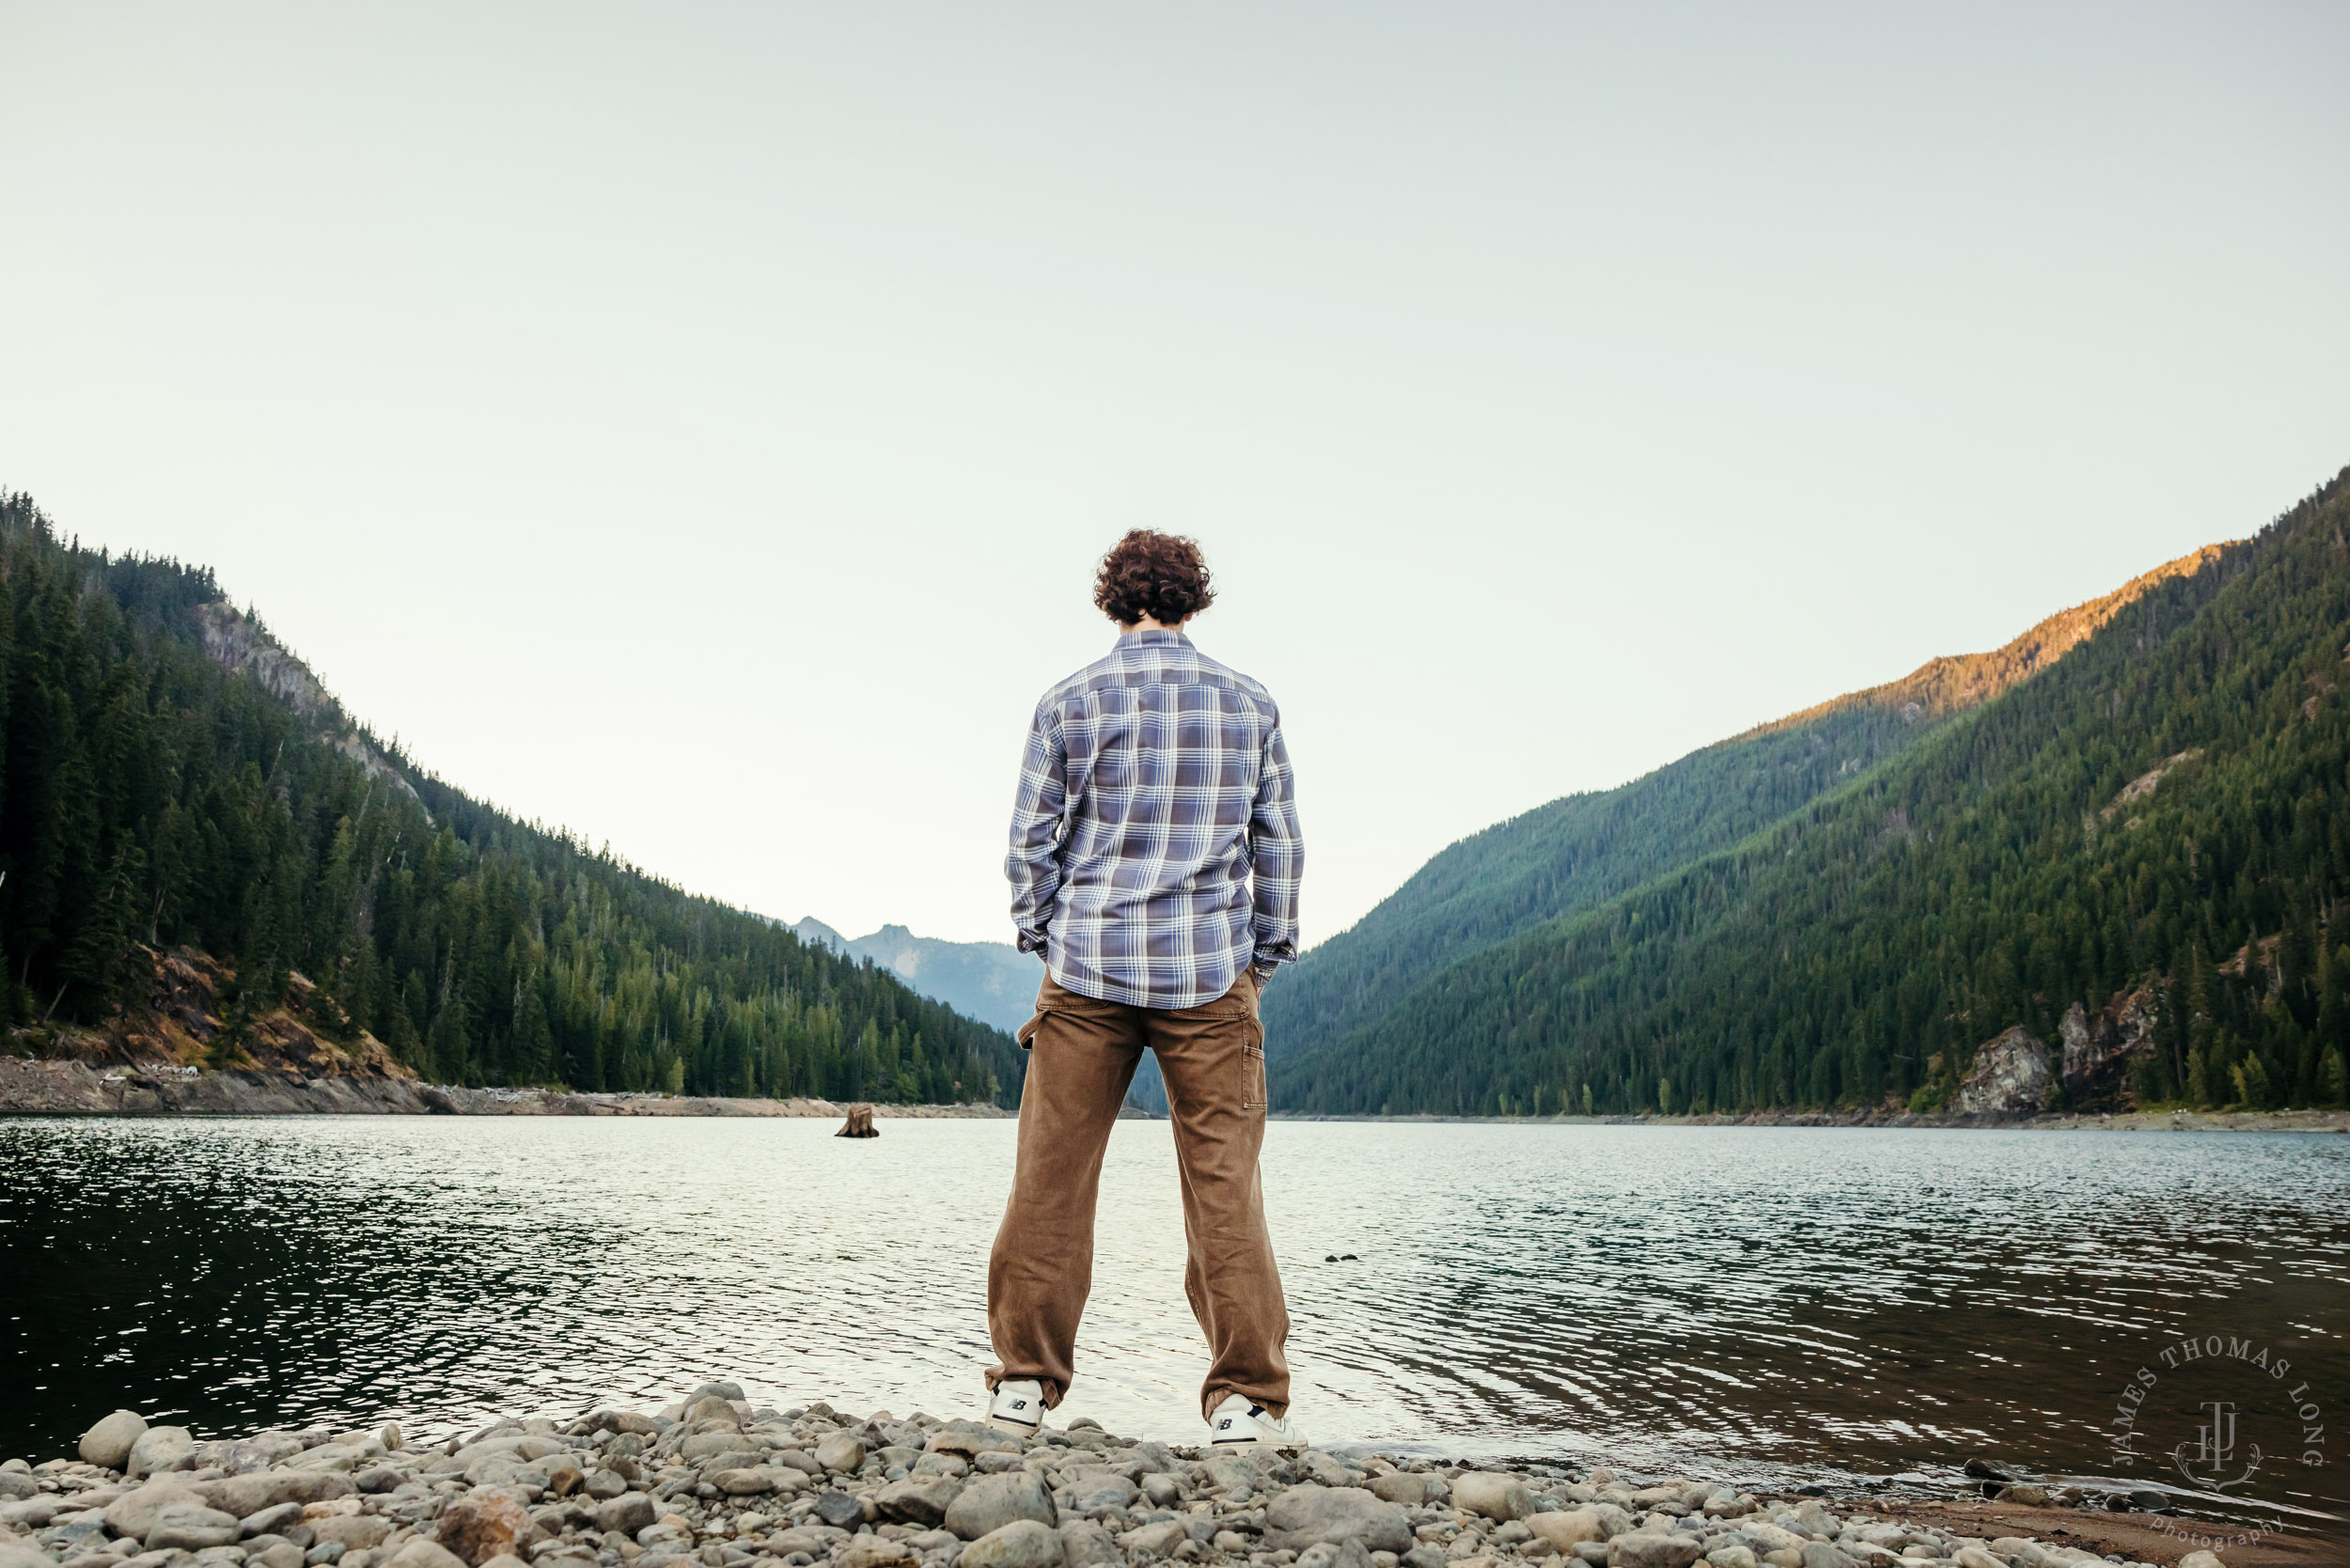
(154, 795)
(1838, 910)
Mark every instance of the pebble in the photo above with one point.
(107, 1445)
(1021, 1543)
(158, 1448)
(715, 1482)
(993, 1503)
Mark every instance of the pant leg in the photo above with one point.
(1082, 1056)
(1212, 1059)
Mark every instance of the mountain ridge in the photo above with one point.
(1969, 890)
(992, 982)
(1579, 850)
(174, 781)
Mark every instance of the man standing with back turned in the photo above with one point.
(1154, 862)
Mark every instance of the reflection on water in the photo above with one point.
(1739, 1300)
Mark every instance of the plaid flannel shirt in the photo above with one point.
(1154, 843)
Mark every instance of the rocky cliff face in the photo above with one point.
(2016, 1072)
(2010, 1074)
(180, 1029)
(242, 645)
(2099, 1051)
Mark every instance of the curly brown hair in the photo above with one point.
(1150, 573)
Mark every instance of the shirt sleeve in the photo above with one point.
(1276, 853)
(1034, 863)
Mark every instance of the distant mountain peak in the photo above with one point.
(240, 645)
(1953, 682)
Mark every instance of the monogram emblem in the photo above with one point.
(2214, 1450)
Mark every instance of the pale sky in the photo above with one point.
(695, 424)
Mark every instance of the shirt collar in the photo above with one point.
(1155, 636)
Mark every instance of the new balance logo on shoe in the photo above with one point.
(1017, 1408)
(1237, 1423)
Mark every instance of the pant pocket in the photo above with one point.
(1252, 1065)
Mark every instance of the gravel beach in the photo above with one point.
(714, 1481)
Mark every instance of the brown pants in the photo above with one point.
(1082, 1056)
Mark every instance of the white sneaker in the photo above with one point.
(1018, 1408)
(1238, 1424)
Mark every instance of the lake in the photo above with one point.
(1765, 1303)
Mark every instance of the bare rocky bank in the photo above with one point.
(36, 1087)
(715, 1482)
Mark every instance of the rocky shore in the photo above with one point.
(35, 1088)
(715, 1482)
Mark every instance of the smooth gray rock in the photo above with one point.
(25, 1555)
(1644, 1549)
(815, 1540)
(133, 1515)
(1400, 1487)
(1733, 1557)
(710, 1445)
(1819, 1554)
(191, 1526)
(1495, 1496)
(628, 1512)
(919, 1499)
(1087, 1544)
(1812, 1519)
(271, 1520)
(1564, 1531)
(1349, 1553)
(1234, 1474)
(1305, 1514)
(841, 1454)
(354, 1531)
(1021, 1543)
(1099, 1486)
(1328, 1469)
(247, 1454)
(1155, 1539)
(989, 1503)
(421, 1553)
(159, 1447)
(108, 1443)
(870, 1551)
(840, 1509)
(250, 1494)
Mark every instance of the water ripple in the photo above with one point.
(1714, 1300)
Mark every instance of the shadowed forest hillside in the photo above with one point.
(2138, 849)
(173, 779)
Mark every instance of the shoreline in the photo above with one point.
(716, 1480)
(30, 1087)
(39, 1087)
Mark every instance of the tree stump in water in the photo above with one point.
(860, 1124)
